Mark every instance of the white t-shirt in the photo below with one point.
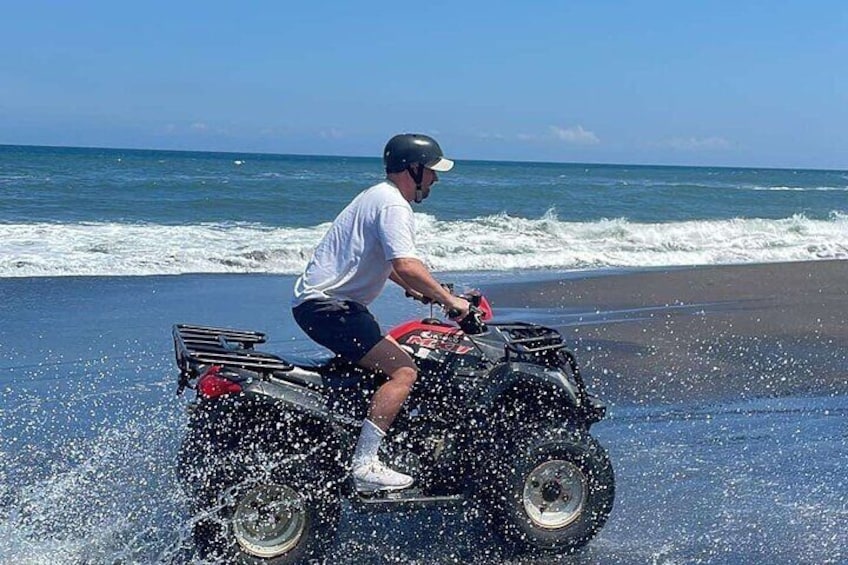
(354, 259)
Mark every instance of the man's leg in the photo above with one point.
(368, 472)
(388, 358)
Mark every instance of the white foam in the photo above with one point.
(800, 188)
(496, 243)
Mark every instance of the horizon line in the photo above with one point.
(525, 161)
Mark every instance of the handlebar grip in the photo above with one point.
(422, 299)
(454, 313)
(473, 324)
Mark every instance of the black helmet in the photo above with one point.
(404, 150)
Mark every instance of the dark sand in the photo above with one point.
(704, 333)
(726, 430)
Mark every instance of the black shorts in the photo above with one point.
(344, 327)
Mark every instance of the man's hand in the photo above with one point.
(413, 275)
(457, 304)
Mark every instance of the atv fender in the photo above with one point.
(532, 385)
(296, 398)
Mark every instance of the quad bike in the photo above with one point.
(499, 418)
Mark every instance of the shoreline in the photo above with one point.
(528, 275)
(643, 336)
(710, 332)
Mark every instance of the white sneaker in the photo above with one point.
(373, 476)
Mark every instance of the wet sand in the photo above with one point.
(698, 334)
(89, 415)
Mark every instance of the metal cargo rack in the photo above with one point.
(201, 345)
(523, 339)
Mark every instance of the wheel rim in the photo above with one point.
(554, 494)
(269, 520)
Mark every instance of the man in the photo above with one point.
(372, 240)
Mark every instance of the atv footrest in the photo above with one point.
(410, 497)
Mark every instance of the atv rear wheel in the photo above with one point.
(271, 523)
(552, 492)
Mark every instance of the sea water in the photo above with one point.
(66, 211)
(90, 424)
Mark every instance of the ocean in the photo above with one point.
(68, 211)
(726, 385)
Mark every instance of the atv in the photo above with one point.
(499, 418)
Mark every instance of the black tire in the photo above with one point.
(551, 492)
(257, 500)
(271, 523)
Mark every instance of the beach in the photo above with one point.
(702, 333)
(726, 386)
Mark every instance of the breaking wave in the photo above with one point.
(489, 243)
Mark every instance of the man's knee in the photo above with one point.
(388, 358)
(405, 376)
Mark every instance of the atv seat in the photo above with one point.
(313, 362)
(300, 376)
(305, 370)
(321, 370)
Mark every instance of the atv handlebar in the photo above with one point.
(472, 323)
(426, 299)
(422, 299)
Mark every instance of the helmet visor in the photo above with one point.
(440, 165)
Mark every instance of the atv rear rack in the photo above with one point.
(524, 339)
(538, 343)
(199, 346)
(531, 342)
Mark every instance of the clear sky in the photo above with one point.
(738, 83)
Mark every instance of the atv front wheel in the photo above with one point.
(552, 492)
(271, 524)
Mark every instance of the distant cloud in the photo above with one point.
(576, 135)
(487, 135)
(195, 128)
(697, 144)
(332, 133)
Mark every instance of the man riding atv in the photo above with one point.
(370, 241)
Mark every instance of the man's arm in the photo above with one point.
(412, 275)
(409, 291)
(396, 278)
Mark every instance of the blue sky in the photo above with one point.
(710, 83)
